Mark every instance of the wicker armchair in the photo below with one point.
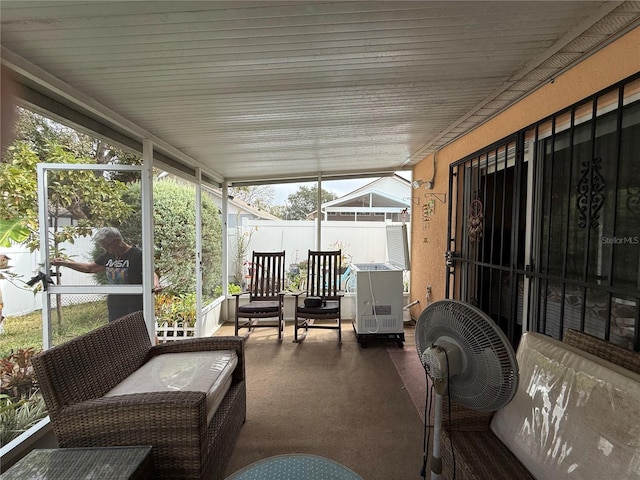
(75, 376)
(477, 453)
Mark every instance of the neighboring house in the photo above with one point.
(384, 199)
(238, 210)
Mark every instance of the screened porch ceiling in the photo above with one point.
(270, 91)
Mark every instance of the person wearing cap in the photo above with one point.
(122, 264)
(4, 264)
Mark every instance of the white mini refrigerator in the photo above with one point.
(379, 289)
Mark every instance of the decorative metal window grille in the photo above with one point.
(557, 243)
(591, 193)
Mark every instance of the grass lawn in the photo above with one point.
(26, 331)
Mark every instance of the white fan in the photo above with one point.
(467, 357)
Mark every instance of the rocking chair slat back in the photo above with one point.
(323, 276)
(267, 276)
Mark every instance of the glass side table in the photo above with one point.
(113, 463)
(295, 467)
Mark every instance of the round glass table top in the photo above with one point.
(295, 467)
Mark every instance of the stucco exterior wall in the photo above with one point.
(610, 65)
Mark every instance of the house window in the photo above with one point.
(589, 204)
(545, 223)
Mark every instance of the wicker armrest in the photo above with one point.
(603, 349)
(461, 418)
(122, 420)
(199, 344)
(204, 344)
(479, 455)
(149, 403)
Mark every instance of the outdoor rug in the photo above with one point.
(345, 403)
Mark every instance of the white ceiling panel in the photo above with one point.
(281, 90)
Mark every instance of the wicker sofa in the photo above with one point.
(191, 437)
(580, 432)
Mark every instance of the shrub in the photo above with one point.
(296, 278)
(21, 405)
(174, 206)
(176, 308)
(233, 288)
(16, 371)
(18, 417)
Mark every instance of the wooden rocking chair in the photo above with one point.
(266, 293)
(323, 296)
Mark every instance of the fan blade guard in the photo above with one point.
(488, 376)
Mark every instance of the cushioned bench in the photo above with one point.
(574, 416)
(111, 387)
(207, 372)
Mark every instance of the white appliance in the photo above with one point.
(379, 289)
(378, 298)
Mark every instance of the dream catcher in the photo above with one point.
(476, 216)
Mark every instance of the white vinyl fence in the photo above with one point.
(19, 299)
(362, 242)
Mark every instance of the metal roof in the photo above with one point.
(276, 90)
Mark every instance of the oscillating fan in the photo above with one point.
(467, 357)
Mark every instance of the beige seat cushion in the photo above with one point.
(574, 416)
(206, 371)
